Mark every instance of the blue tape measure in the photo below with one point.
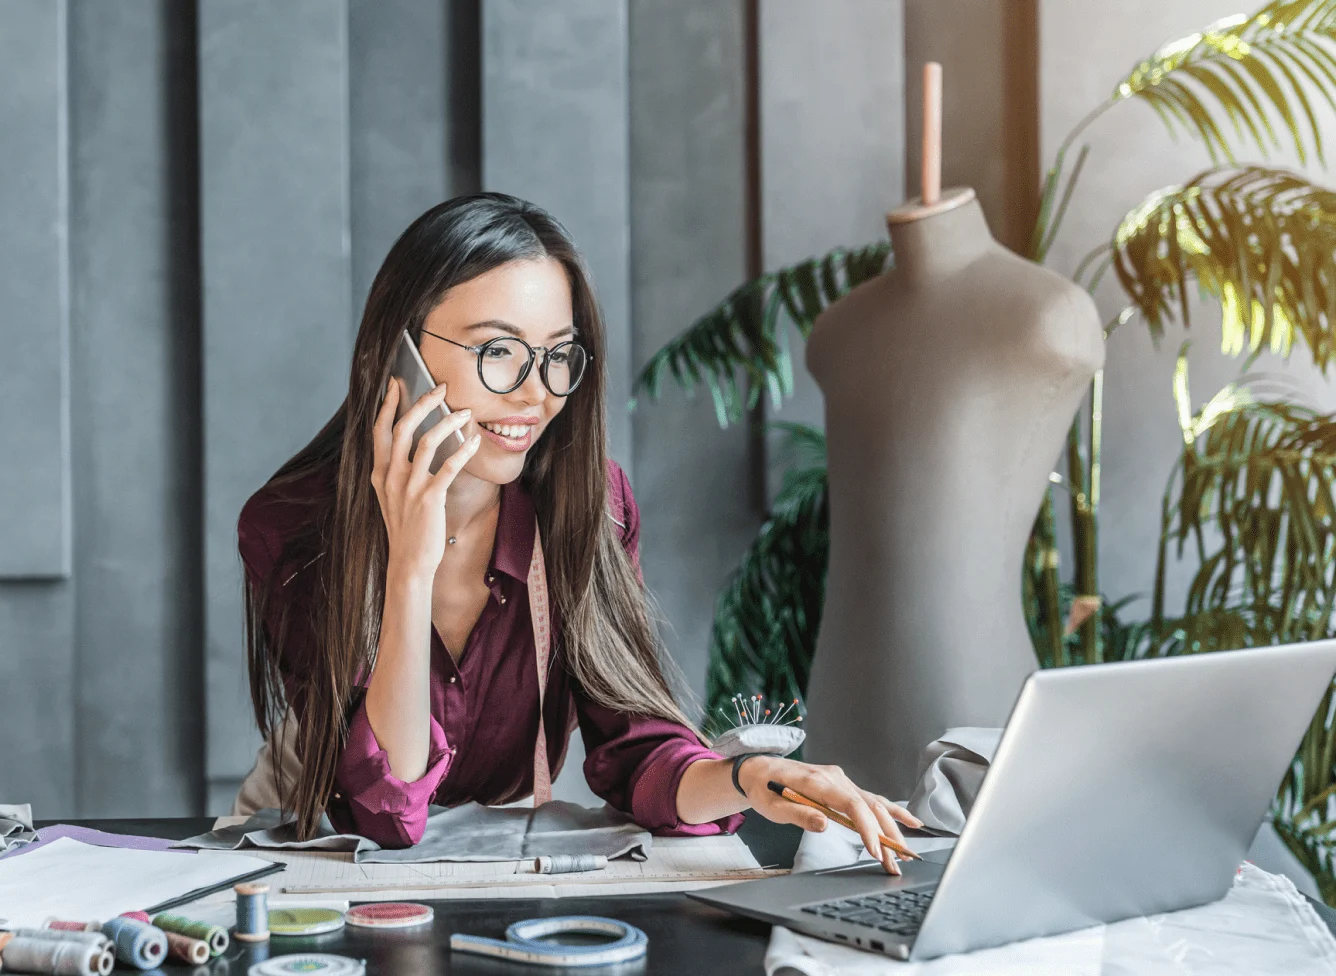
(523, 942)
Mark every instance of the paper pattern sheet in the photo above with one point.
(69, 879)
(674, 864)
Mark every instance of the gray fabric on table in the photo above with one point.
(16, 825)
(951, 770)
(470, 832)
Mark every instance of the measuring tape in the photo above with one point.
(523, 942)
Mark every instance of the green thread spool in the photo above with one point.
(215, 935)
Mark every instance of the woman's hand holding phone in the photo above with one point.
(412, 499)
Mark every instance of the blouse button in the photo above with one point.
(490, 578)
(452, 679)
(503, 599)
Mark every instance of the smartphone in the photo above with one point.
(414, 381)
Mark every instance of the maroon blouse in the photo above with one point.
(484, 711)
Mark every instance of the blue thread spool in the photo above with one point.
(252, 912)
(137, 943)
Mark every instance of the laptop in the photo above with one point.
(1117, 790)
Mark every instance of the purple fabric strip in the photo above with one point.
(98, 838)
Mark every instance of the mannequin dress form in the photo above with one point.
(950, 382)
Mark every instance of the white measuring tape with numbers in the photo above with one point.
(523, 942)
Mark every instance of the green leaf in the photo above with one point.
(745, 333)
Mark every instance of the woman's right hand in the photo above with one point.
(412, 499)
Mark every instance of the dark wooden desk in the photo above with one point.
(686, 938)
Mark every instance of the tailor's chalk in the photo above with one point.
(137, 943)
(252, 912)
(214, 935)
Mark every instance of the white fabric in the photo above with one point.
(950, 773)
(1262, 927)
(774, 740)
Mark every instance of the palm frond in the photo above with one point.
(1251, 67)
(766, 617)
(746, 333)
(1253, 498)
(1261, 241)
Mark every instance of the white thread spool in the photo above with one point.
(54, 957)
(569, 863)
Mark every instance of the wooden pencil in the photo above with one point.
(839, 818)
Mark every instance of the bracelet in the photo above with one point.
(737, 765)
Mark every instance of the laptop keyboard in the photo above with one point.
(897, 912)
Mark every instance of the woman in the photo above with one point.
(393, 609)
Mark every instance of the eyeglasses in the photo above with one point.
(504, 363)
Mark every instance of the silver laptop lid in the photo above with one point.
(1124, 789)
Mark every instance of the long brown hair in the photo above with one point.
(609, 644)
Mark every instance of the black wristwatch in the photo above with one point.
(737, 765)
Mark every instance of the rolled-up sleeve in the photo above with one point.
(381, 806)
(636, 763)
(368, 798)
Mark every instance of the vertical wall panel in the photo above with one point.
(35, 512)
(135, 365)
(554, 131)
(832, 104)
(688, 249)
(273, 91)
(399, 124)
(36, 618)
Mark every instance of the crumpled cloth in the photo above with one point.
(470, 832)
(1262, 927)
(16, 825)
(950, 773)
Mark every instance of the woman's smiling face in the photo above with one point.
(529, 299)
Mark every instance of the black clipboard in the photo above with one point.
(190, 896)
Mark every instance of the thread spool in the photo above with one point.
(137, 944)
(54, 957)
(55, 935)
(214, 935)
(183, 948)
(252, 912)
(138, 917)
(569, 863)
(64, 925)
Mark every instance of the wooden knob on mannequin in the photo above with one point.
(930, 181)
(931, 199)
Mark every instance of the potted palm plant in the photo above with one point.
(1252, 497)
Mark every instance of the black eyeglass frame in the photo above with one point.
(479, 349)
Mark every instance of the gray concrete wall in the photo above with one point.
(276, 294)
(831, 95)
(36, 598)
(35, 511)
(136, 372)
(689, 240)
(554, 131)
